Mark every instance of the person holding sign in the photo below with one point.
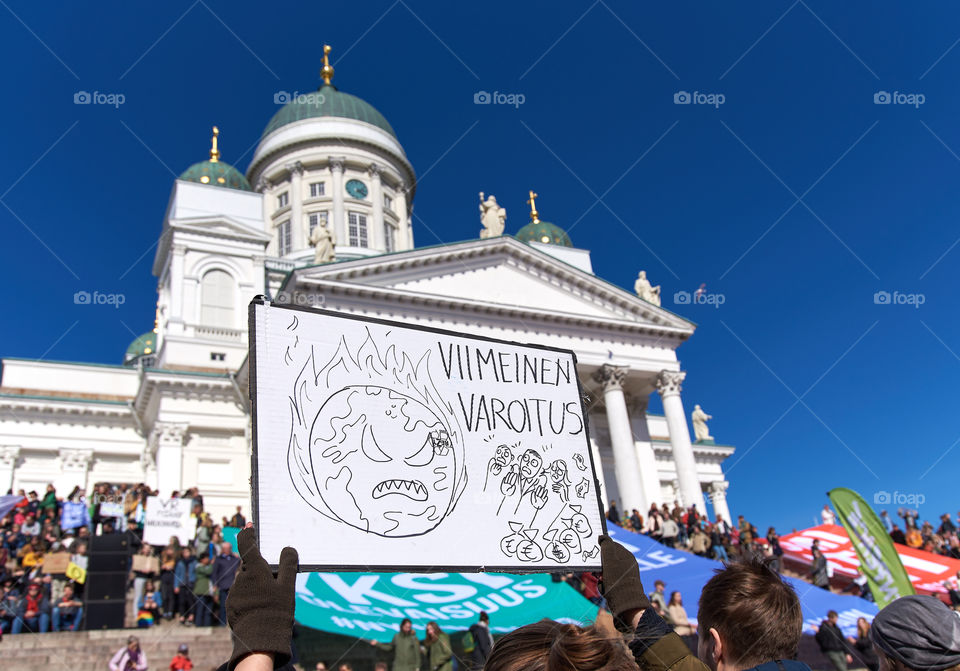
(405, 648)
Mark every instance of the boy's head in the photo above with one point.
(748, 616)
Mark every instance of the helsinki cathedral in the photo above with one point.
(322, 218)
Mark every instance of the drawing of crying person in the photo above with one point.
(560, 479)
(527, 481)
(500, 460)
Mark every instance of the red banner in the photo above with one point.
(927, 571)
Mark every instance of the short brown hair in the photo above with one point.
(756, 613)
(552, 646)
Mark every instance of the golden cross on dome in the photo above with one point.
(327, 72)
(214, 152)
(532, 202)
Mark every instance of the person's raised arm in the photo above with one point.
(260, 608)
(655, 646)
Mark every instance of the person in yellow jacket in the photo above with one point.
(436, 647)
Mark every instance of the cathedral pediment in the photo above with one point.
(494, 274)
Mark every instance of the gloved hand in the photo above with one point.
(259, 607)
(621, 585)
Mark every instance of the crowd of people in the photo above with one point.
(749, 618)
(690, 530)
(188, 583)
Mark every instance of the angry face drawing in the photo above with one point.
(382, 461)
(384, 456)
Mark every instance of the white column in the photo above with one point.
(336, 191)
(9, 457)
(177, 317)
(405, 234)
(646, 459)
(297, 223)
(75, 464)
(621, 438)
(668, 384)
(718, 496)
(377, 237)
(168, 439)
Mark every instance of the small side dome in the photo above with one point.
(542, 231)
(215, 172)
(545, 232)
(143, 346)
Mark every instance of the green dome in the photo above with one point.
(143, 345)
(216, 173)
(328, 101)
(544, 231)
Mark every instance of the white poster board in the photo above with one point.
(168, 517)
(385, 446)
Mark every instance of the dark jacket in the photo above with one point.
(830, 638)
(482, 644)
(224, 571)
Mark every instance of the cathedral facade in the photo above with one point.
(322, 218)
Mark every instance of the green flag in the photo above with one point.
(372, 605)
(879, 560)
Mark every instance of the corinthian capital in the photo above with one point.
(336, 163)
(9, 456)
(718, 489)
(168, 433)
(295, 168)
(669, 382)
(611, 377)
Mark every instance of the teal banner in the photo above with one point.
(372, 605)
(230, 536)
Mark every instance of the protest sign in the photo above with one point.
(144, 564)
(111, 509)
(168, 517)
(379, 445)
(74, 515)
(76, 573)
(56, 562)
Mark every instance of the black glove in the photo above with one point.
(259, 607)
(621, 585)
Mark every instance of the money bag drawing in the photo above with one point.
(372, 442)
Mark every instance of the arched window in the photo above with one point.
(216, 299)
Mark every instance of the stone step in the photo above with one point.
(92, 650)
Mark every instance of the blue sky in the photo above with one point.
(796, 200)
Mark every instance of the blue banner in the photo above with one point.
(7, 503)
(687, 573)
(74, 515)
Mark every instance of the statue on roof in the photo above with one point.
(492, 216)
(323, 244)
(699, 419)
(645, 290)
